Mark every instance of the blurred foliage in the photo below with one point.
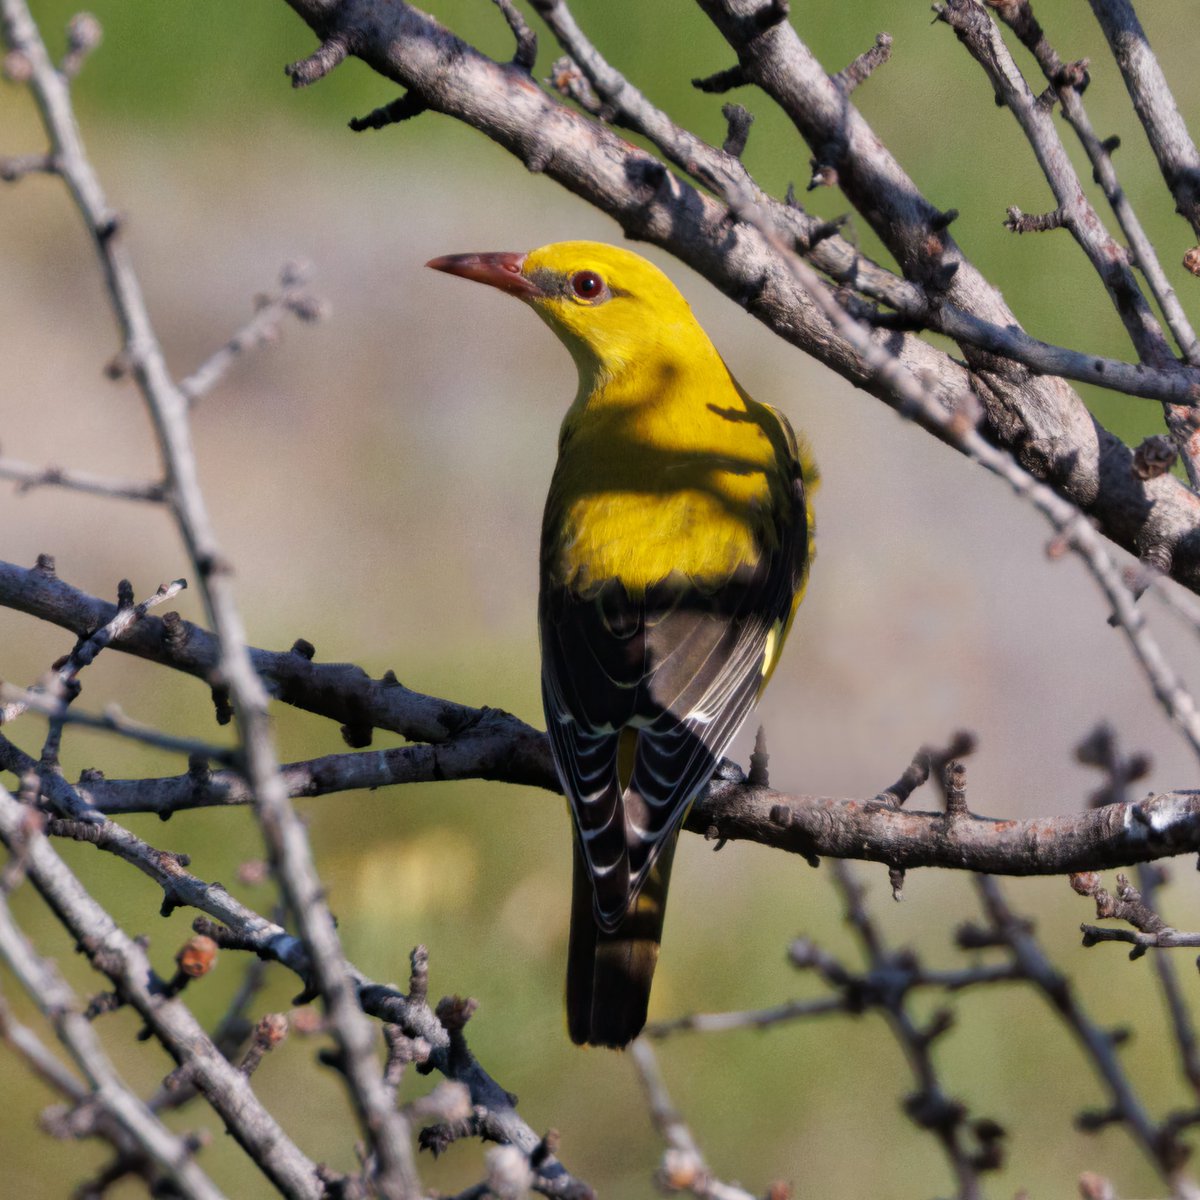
(395, 501)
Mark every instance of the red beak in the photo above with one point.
(500, 269)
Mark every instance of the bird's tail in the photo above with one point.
(609, 974)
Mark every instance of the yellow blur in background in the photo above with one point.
(377, 481)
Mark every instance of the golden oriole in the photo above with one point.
(675, 548)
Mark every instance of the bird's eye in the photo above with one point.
(587, 285)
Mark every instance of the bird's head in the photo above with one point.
(609, 306)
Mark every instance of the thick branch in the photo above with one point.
(732, 809)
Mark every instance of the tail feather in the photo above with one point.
(609, 974)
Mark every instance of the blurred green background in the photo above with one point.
(377, 480)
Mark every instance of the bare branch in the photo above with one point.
(1069, 81)
(125, 963)
(872, 828)
(1182, 1025)
(58, 683)
(56, 1000)
(526, 53)
(1126, 904)
(111, 719)
(14, 167)
(29, 477)
(847, 79)
(1160, 1144)
(241, 928)
(976, 30)
(263, 328)
(1177, 156)
(955, 427)
(331, 53)
(683, 1167)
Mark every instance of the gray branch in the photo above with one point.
(1177, 156)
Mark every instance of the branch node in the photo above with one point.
(568, 80)
(940, 220)
(357, 736)
(455, 1011)
(823, 175)
(526, 52)
(17, 166)
(847, 79)
(1154, 457)
(723, 81)
(16, 67)
(402, 109)
(759, 759)
(221, 703)
(84, 34)
(329, 54)
(268, 1033)
(739, 120)
(954, 784)
(418, 979)
(769, 15)
(174, 631)
(1019, 222)
(1074, 75)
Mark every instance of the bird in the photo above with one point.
(675, 549)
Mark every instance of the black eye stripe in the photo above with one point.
(562, 284)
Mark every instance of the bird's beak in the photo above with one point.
(500, 269)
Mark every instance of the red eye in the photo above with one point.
(587, 285)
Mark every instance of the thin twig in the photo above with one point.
(112, 720)
(56, 685)
(264, 327)
(683, 1167)
(29, 477)
(1159, 1144)
(125, 963)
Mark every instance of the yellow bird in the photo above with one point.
(675, 548)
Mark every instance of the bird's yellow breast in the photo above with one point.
(678, 472)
